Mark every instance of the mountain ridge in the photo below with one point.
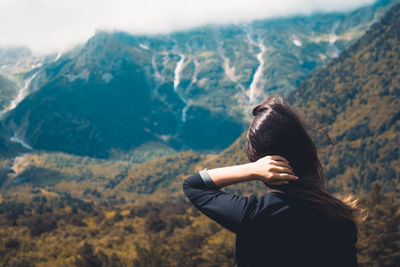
(187, 90)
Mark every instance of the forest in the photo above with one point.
(71, 232)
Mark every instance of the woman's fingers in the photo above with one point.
(280, 179)
(278, 158)
(275, 170)
(281, 164)
(282, 170)
(278, 182)
(284, 176)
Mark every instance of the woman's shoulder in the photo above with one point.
(270, 204)
(286, 202)
(309, 212)
(280, 196)
(307, 209)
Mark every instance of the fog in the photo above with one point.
(47, 26)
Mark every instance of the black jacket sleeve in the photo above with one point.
(229, 210)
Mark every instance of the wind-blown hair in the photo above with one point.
(278, 130)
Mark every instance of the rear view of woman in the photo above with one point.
(296, 222)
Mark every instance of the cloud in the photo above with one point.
(53, 25)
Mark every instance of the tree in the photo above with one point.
(154, 222)
(41, 223)
(86, 257)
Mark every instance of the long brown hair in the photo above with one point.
(277, 129)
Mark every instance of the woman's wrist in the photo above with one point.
(248, 170)
(231, 175)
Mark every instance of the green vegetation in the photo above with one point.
(67, 231)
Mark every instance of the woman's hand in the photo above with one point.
(274, 170)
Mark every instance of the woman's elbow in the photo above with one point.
(190, 187)
(185, 185)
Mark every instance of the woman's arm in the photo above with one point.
(231, 210)
(270, 169)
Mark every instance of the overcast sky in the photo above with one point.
(55, 25)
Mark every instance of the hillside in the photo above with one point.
(187, 90)
(357, 98)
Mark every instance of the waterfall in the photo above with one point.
(22, 93)
(143, 46)
(196, 70)
(178, 70)
(257, 77)
(16, 139)
(177, 80)
(332, 40)
(59, 54)
(296, 41)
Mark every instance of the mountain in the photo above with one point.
(187, 90)
(356, 97)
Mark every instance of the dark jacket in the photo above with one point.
(276, 229)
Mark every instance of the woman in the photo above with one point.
(296, 222)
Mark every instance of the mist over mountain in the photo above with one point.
(53, 27)
(188, 90)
